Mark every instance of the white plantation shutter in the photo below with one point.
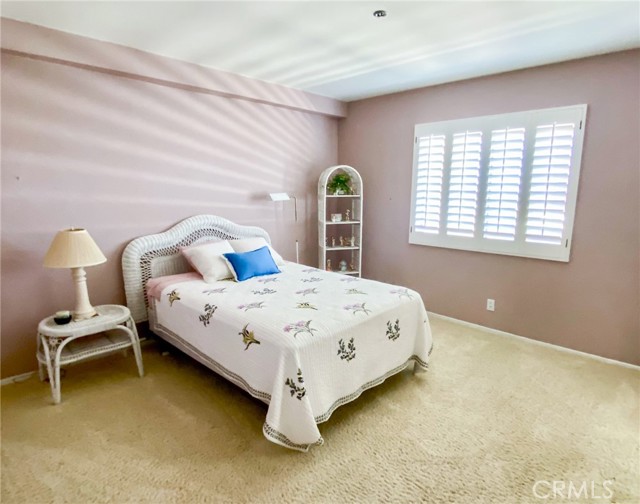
(550, 173)
(428, 198)
(504, 176)
(463, 183)
(503, 184)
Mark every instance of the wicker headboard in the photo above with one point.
(159, 254)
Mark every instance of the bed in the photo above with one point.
(304, 341)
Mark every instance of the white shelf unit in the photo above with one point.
(329, 249)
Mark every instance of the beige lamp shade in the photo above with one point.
(73, 248)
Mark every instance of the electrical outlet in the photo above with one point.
(491, 304)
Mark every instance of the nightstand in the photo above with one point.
(111, 330)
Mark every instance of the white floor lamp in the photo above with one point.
(283, 196)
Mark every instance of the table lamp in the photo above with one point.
(74, 248)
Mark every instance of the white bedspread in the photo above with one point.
(305, 341)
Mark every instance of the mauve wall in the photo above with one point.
(124, 157)
(590, 304)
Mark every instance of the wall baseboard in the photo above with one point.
(17, 378)
(535, 342)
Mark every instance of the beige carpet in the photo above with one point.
(491, 418)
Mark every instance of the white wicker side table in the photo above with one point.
(64, 344)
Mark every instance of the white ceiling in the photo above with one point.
(339, 49)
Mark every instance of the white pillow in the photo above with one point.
(249, 244)
(207, 260)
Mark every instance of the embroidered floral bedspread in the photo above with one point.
(305, 341)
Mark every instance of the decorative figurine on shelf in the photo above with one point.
(333, 241)
(347, 215)
(351, 267)
(328, 264)
(353, 241)
(343, 265)
(341, 241)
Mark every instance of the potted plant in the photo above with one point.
(340, 183)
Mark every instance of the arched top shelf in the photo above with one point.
(356, 180)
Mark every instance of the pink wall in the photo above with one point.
(590, 304)
(123, 157)
(125, 143)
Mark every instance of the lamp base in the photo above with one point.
(83, 310)
(85, 315)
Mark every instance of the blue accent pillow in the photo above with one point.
(247, 265)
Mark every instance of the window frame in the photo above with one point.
(519, 247)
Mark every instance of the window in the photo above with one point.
(503, 184)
